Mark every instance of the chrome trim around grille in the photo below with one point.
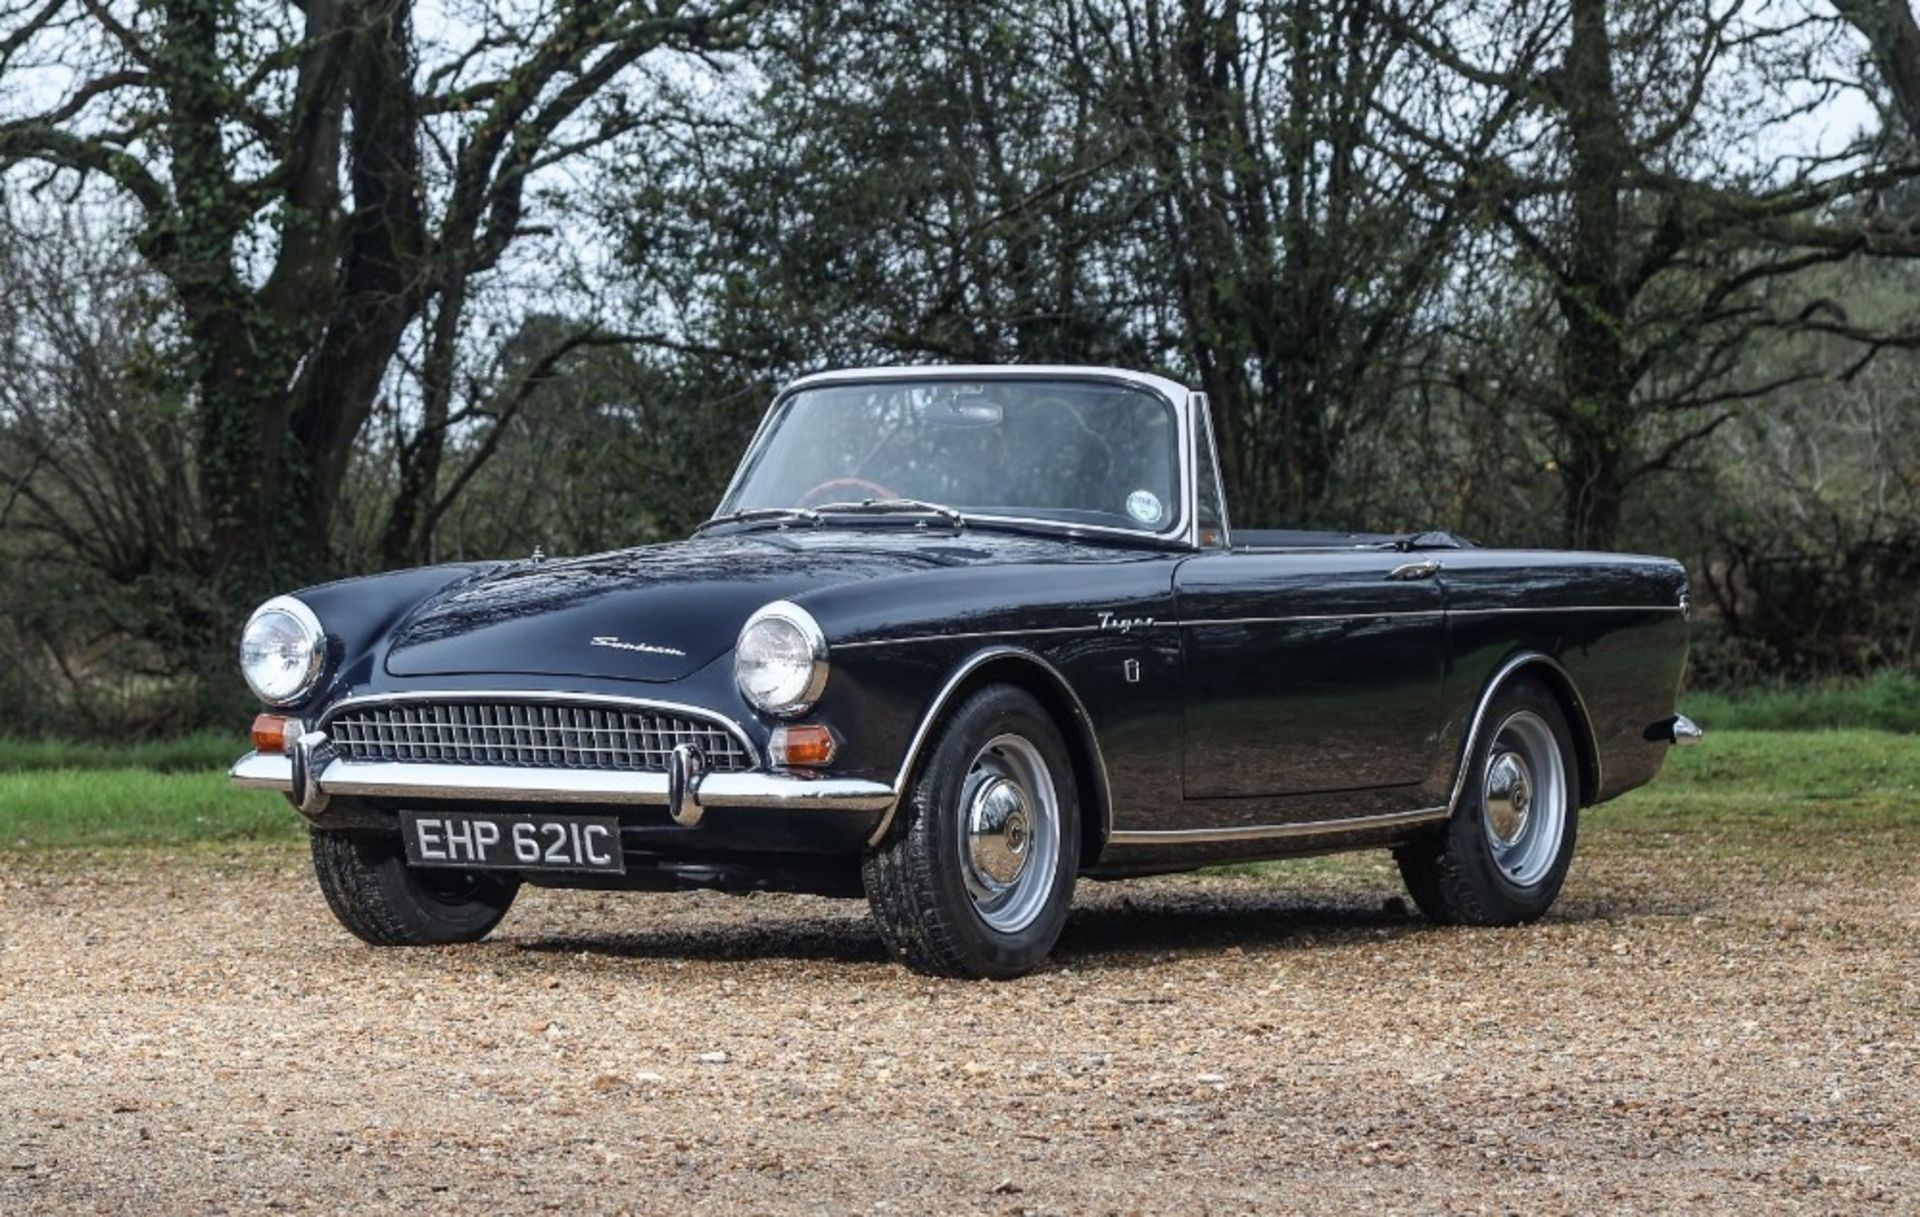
(532, 730)
(516, 784)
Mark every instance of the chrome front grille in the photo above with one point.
(532, 734)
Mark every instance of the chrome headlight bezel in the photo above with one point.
(311, 633)
(808, 683)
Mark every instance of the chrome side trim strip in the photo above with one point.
(1198, 622)
(1494, 683)
(1046, 630)
(1038, 631)
(508, 784)
(547, 695)
(1569, 608)
(1451, 612)
(938, 706)
(1276, 832)
(1361, 616)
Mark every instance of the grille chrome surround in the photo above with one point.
(540, 732)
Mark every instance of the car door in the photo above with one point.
(1309, 670)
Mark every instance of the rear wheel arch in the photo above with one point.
(1546, 671)
(1032, 674)
(1504, 855)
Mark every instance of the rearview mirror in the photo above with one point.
(955, 412)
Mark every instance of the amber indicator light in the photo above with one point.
(807, 746)
(269, 733)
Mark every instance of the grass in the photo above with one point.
(201, 752)
(1771, 788)
(73, 794)
(109, 807)
(1889, 701)
(1871, 779)
(1773, 802)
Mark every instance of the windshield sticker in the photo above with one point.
(1144, 506)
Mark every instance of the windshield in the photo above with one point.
(1077, 452)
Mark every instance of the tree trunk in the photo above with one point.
(1894, 35)
(1595, 418)
(408, 539)
(1592, 482)
(383, 284)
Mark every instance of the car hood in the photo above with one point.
(662, 612)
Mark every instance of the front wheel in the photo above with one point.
(381, 900)
(976, 876)
(1502, 857)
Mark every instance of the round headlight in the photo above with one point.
(281, 651)
(780, 662)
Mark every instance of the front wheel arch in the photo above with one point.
(977, 878)
(1032, 674)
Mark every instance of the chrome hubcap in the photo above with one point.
(998, 831)
(1010, 832)
(1509, 797)
(1523, 798)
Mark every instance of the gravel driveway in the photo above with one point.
(192, 1032)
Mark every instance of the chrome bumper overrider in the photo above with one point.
(500, 783)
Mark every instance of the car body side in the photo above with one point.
(1605, 633)
(1227, 704)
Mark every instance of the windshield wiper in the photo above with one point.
(885, 506)
(763, 515)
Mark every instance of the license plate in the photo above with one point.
(478, 841)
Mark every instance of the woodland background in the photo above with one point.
(296, 290)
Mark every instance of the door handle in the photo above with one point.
(1424, 569)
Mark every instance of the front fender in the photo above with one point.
(359, 614)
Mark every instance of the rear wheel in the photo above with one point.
(1503, 856)
(976, 876)
(382, 900)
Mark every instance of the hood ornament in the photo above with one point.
(644, 648)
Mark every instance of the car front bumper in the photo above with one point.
(311, 777)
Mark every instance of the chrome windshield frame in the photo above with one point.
(1207, 448)
(1185, 530)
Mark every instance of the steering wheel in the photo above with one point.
(817, 495)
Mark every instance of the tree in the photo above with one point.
(311, 184)
(895, 181)
(1632, 192)
(1295, 258)
(96, 495)
(1195, 188)
(591, 441)
(1893, 39)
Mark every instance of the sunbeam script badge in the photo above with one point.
(644, 648)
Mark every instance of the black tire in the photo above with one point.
(1458, 875)
(918, 879)
(383, 901)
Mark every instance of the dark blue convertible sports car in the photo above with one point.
(955, 638)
